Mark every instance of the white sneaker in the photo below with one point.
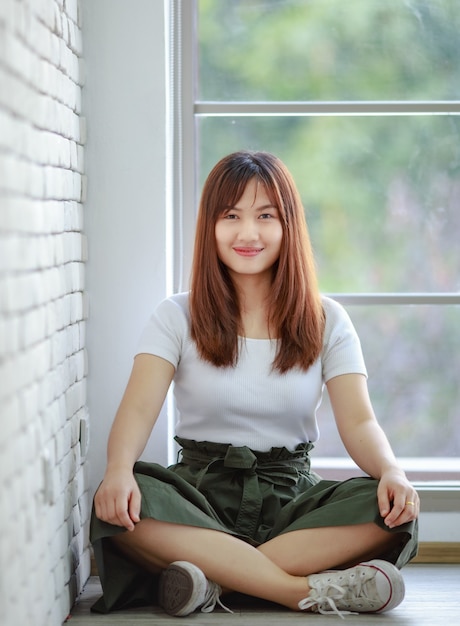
(372, 587)
(183, 589)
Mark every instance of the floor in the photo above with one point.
(432, 598)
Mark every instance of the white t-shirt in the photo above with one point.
(249, 404)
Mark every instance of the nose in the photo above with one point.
(248, 230)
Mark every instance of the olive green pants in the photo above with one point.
(255, 496)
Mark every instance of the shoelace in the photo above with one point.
(212, 598)
(326, 597)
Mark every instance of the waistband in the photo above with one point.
(240, 457)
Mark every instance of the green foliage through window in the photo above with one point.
(381, 192)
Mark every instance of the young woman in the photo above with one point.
(249, 350)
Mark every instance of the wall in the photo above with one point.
(126, 208)
(44, 552)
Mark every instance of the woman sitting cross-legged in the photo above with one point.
(249, 349)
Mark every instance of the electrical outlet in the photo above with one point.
(84, 436)
(48, 477)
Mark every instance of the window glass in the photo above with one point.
(412, 355)
(329, 50)
(382, 193)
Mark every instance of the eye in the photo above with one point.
(230, 216)
(266, 216)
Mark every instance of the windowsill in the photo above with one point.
(418, 469)
(436, 480)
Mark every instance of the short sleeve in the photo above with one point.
(165, 332)
(342, 353)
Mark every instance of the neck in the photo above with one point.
(253, 292)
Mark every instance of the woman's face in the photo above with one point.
(249, 234)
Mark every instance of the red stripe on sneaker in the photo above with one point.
(391, 587)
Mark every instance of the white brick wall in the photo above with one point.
(44, 504)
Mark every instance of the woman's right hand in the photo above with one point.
(118, 499)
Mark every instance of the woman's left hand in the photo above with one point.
(398, 501)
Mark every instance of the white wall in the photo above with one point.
(125, 211)
(44, 512)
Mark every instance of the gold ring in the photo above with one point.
(411, 503)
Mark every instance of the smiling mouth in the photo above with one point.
(248, 251)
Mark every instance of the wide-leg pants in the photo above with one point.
(255, 496)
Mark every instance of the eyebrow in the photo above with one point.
(260, 208)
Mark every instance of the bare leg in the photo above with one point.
(275, 571)
(310, 551)
(226, 560)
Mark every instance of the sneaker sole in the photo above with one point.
(395, 580)
(181, 589)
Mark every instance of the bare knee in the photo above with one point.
(138, 546)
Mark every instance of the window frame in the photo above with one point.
(436, 494)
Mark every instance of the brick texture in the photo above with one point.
(44, 505)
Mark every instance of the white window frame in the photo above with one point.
(437, 496)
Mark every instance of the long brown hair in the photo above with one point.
(295, 309)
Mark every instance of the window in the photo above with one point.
(361, 100)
